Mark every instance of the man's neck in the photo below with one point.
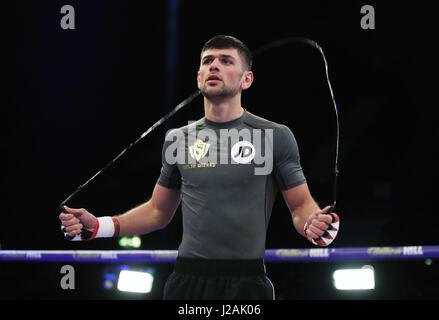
(223, 111)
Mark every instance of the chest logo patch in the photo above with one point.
(199, 149)
(243, 152)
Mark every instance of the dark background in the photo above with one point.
(74, 99)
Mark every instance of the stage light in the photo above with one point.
(130, 242)
(354, 279)
(135, 281)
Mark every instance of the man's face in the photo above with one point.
(222, 74)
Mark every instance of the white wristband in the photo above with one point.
(106, 227)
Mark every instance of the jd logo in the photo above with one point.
(243, 152)
(199, 149)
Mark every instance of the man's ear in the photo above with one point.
(198, 79)
(248, 80)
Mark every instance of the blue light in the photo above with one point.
(171, 52)
(110, 276)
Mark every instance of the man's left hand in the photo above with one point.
(322, 228)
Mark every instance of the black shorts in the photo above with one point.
(205, 279)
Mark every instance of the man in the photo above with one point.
(214, 168)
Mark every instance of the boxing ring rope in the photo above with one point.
(271, 255)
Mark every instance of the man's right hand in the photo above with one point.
(77, 219)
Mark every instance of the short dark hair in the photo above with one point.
(224, 41)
